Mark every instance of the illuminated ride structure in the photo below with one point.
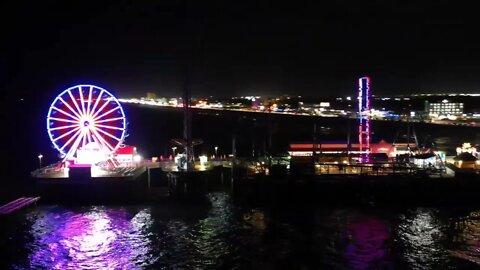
(186, 160)
(87, 126)
(364, 107)
(367, 158)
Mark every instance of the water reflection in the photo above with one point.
(225, 235)
(256, 219)
(352, 239)
(368, 240)
(163, 236)
(97, 238)
(466, 238)
(201, 243)
(422, 235)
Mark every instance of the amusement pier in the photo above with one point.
(88, 127)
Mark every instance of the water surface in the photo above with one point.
(223, 234)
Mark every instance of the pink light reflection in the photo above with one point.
(367, 242)
(98, 239)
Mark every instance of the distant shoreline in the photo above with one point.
(287, 114)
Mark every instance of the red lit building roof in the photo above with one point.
(380, 147)
(126, 150)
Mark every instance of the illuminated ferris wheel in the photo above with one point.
(86, 116)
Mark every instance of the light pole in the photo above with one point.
(216, 148)
(173, 149)
(40, 156)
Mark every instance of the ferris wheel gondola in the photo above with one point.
(85, 115)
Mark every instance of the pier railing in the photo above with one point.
(377, 169)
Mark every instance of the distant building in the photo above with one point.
(382, 147)
(151, 95)
(465, 161)
(444, 108)
(468, 148)
(174, 102)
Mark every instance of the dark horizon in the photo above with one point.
(245, 48)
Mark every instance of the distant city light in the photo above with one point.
(432, 112)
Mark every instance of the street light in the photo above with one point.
(216, 148)
(40, 156)
(173, 149)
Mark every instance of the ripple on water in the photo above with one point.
(88, 238)
(226, 235)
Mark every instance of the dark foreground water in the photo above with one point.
(224, 234)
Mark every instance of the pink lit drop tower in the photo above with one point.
(364, 106)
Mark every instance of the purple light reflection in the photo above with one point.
(367, 242)
(96, 239)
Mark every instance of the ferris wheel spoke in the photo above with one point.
(105, 141)
(98, 141)
(101, 140)
(101, 109)
(107, 113)
(82, 101)
(65, 113)
(109, 120)
(76, 135)
(62, 120)
(74, 146)
(108, 134)
(63, 127)
(74, 101)
(66, 134)
(69, 107)
(96, 103)
(89, 99)
(109, 127)
(90, 136)
(84, 138)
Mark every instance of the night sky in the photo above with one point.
(239, 47)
